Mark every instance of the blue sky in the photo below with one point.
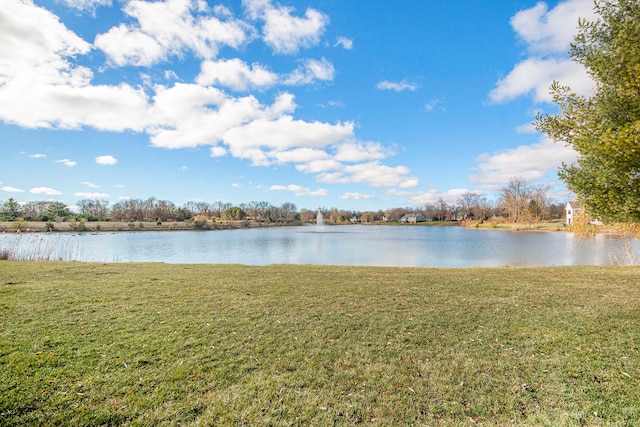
(357, 104)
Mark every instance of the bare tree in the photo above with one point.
(469, 204)
(522, 201)
(514, 197)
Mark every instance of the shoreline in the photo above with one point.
(133, 226)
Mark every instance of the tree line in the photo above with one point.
(148, 210)
(517, 202)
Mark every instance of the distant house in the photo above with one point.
(572, 209)
(413, 218)
(355, 219)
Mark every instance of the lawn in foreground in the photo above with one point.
(156, 344)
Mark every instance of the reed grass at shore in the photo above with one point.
(196, 345)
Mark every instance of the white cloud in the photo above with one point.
(397, 86)
(299, 190)
(526, 128)
(37, 156)
(534, 76)
(33, 42)
(433, 105)
(528, 162)
(345, 43)
(318, 166)
(433, 197)
(251, 141)
(86, 5)
(309, 71)
(361, 151)
(218, 151)
(92, 195)
(90, 184)
(373, 174)
(299, 155)
(42, 85)
(235, 74)
(191, 115)
(285, 33)
(168, 28)
(45, 190)
(551, 31)
(355, 196)
(106, 160)
(547, 34)
(66, 162)
(10, 189)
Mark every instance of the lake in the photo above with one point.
(362, 245)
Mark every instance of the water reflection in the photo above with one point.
(342, 245)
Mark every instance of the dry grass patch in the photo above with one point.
(155, 344)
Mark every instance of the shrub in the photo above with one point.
(20, 225)
(78, 225)
(199, 225)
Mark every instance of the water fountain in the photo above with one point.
(319, 220)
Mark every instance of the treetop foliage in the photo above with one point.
(604, 128)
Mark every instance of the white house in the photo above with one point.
(413, 218)
(572, 209)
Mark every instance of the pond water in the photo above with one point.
(334, 245)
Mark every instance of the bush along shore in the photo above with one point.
(198, 345)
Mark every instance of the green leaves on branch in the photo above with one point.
(604, 128)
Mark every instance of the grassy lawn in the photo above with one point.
(195, 345)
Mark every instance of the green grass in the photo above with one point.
(196, 345)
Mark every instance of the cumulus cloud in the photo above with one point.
(298, 190)
(529, 162)
(355, 196)
(361, 151)
(168, 28)
(260, 140)
(45, 191)
(10, 189)
(41, 85)
(551, 31)
(373, 174)
(218, 152)
(66, 162)
(300, 155)
(345, 43)
(533, 76)
(86, 5)
(44, 85)
(309, 71)
(37, 156)
(90, 184)
(547, 35)
(285, 33)
(236, 74)
(106, 160)
(397, 86)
